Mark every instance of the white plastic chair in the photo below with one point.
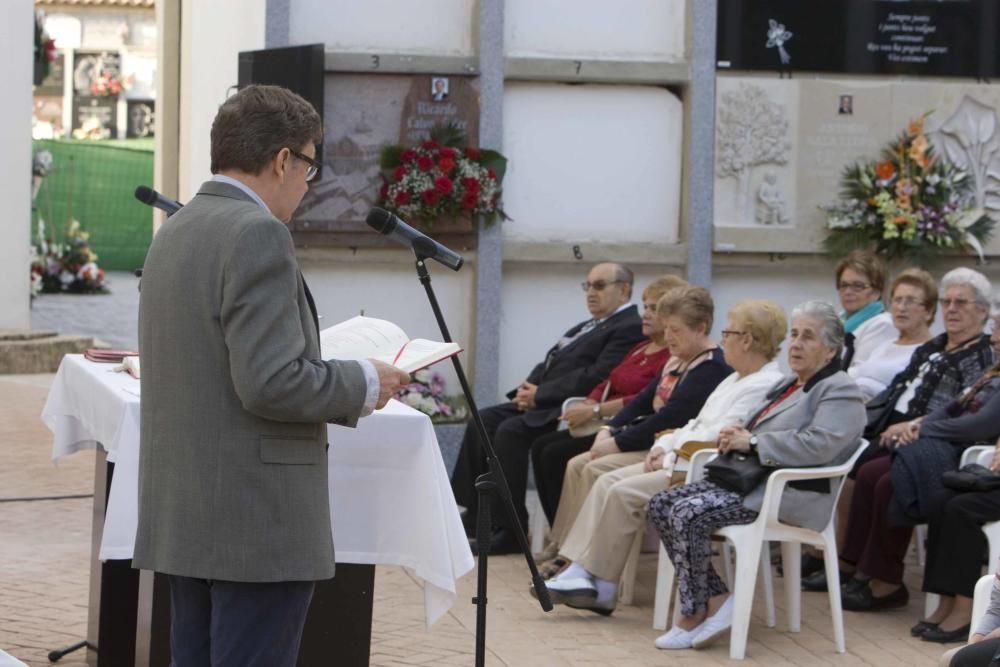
(750, 540)
(666, 573)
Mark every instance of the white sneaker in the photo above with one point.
(716, 624)
(578, 586)
(677, 638)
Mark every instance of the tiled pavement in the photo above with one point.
(44, 547)
(44, 551)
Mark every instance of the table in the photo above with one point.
(391, 501)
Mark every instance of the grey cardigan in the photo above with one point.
(818, 425)
(233, 463)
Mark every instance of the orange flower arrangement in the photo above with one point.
(907, 203)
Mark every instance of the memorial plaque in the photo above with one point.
(363, 113)
(912, 37)
(91, 67)
(440, 100)
(141, 116)
(94, 117)
(830, 125)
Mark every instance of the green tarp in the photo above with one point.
(93, 182)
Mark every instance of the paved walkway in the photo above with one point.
(44, 551)
(112, 318)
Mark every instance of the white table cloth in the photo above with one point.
(391, 502)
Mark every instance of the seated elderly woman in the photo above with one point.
(938, 370)
(812, 418)
(615, 509)
(873, 546)
(985, 641)
(912, 304)
(695, 369)
(860, 282)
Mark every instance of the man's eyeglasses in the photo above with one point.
(313, 167)
(598, 285)
(854, 287)
(958, 303)
(725, 333)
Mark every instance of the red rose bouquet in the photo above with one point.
(442, 177)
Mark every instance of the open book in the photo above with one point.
(367, 337)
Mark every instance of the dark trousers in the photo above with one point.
(876, 548)
(226, 623)
(512, 439)
(955, 541)
(977, 655)
(549, 456)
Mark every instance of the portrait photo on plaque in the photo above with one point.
(439, 88)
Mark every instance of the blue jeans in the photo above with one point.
(221, 623)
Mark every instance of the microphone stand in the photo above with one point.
(489, 485)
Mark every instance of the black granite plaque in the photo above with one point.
(911, 37)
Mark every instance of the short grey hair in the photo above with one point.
(830, 326)
(962, 277)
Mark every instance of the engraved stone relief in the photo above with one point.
(970, 138)
(752, 131)
(771, 208)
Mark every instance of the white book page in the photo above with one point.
(420, 353)
(362, 337)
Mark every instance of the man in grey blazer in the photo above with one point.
(233, 491)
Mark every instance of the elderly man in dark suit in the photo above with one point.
(233, 491)
(573, 366)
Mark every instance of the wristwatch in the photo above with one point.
(597, 410)
(753, 443)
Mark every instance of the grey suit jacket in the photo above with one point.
(233, 464)
(817, 427)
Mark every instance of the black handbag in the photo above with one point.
(741, 472)
(880, 408)
(971, 477)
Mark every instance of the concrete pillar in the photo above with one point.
(16, 60)
(489, 257)
(700, 123)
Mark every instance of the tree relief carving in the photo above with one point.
(751, 131)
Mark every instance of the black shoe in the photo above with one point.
(922, 627)
(940, 636)
(501, 543)
(862, 599)
(810, 565)
(817, 582)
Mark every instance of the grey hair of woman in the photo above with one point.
(979, 283)
(830, 327)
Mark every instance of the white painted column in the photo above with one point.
(16, 59)
(212, 35)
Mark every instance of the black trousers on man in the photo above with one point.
(956, 543)
(512, 437)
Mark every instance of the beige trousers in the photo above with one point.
(601, 538)
(581, 474)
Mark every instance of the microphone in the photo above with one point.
(153, 198)
(386, 223)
